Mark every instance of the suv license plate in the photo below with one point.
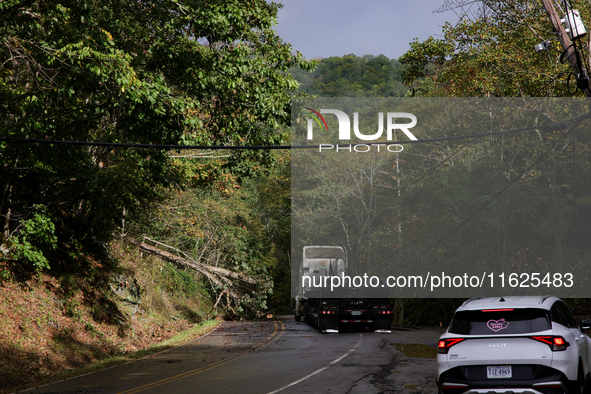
(356, 313)
(498, 372)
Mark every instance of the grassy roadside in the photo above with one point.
(179, 339)
(56, 326)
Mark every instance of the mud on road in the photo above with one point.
(412, 369)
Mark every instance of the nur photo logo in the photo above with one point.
(344, 128)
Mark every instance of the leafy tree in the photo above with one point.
(243, 228)
(512, 201)
(353, 76)
(273, 208)
(37, 234)
(172, 72)
(497, 203)
(491, 53)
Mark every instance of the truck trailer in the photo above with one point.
(318, 307)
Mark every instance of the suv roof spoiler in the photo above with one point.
(544, 298)
(470, 300)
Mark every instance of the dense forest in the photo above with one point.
(506, 202)
(97, 102)
(353, 76)
(516, 200)
(217, 74)
(101, 195)
(93, 106)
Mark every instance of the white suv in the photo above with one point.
(520, 345)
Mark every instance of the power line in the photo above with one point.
(575, 122)
(552, 126)
(549, 127)
(452, 214)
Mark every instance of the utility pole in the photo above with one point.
(571, 53)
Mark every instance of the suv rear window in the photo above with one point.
(500, 322)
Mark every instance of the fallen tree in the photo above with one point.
(221, 279)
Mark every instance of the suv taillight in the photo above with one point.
(444, 344)
(555, 342)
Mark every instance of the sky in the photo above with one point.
(324, 28)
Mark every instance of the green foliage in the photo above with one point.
(491, 54)
(516, 201)
(273, 209)
(177, 281)
(429, 311)
(32, 238)
(353, 76)
(72, 309)
(220, 228)
(172, 72)
(421, 55)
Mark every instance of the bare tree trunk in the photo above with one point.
(6, 199)
(6, 229)
(399, 305)
(205, 269)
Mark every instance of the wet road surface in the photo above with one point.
(282, 356)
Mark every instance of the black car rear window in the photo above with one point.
(500, 322)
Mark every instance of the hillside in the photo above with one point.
(51, 326)
(353, 76)
(229, 243)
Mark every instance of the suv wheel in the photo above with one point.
(586, 382)
(580, 387)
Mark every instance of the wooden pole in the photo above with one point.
(565, 41)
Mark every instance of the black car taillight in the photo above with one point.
(444, 344)
(556, 343)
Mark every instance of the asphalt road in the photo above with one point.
(281, 356)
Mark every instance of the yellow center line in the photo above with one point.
(269, 337)
(280, 332)
(148, 386)
(181, 376)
